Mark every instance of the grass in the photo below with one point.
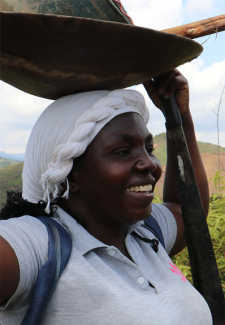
(10, 176)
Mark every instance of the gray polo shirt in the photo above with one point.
(100, 286)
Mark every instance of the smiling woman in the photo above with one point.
(90, 166)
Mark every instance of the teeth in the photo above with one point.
(142, 188)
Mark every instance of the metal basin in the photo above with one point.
(52, 55)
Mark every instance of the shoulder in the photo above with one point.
(22, 231)
(167, 223)
(28, 238)
(180, 242)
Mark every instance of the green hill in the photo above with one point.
(10, 176)
(160, 148)
(7, 162)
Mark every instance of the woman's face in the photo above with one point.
(113, 173)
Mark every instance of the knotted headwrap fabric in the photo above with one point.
(63, 132)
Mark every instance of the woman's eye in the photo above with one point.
(122, 151)
(150, 150)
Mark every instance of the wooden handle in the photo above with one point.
(200, 28)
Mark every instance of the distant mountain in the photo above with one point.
(13, 156)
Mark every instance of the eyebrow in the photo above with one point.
(130, 138)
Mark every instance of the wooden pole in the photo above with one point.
(199, 28)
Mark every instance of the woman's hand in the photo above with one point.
(173, 82)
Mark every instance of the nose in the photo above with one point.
(146, 163)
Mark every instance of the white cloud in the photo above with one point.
(19, 112)
(155, 14)
(205, 91)
(15, 141)
(199, 8)
(208, 136)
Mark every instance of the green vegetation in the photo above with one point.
(10, 176)
(7, 162)
(216, 224)
(160, 148)
(205, 147)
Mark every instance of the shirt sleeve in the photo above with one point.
(167, 223)
(29, 239)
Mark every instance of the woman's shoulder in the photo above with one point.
(28, 238)
(167, 223)
(23, 227)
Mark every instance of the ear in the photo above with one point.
(73, 181)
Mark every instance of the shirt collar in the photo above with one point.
(82, 241)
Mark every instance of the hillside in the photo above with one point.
(204, 148)
(10, 176)
(209, 157)
(7, 162)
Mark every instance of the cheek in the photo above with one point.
(115, 175)
(158, 171)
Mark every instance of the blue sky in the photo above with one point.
(19, 111)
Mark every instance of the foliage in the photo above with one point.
(219, 182)
(205, 147)
(160, 150)
(7, 162)
(10, 176)
(161, 153)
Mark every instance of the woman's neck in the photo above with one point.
(111, 235)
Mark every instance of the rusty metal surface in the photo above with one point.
(52, 56)
(95, 9)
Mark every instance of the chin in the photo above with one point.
(141, 214)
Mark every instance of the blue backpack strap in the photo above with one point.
(152, 225)
(59, 250)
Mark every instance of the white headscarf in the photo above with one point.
(64, 131)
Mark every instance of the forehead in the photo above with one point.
(126, 122)
(127, 127)
(129, 124)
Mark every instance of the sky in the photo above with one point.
(206, 75)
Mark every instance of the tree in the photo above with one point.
(217, 112)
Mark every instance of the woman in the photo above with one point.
(102, 197)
